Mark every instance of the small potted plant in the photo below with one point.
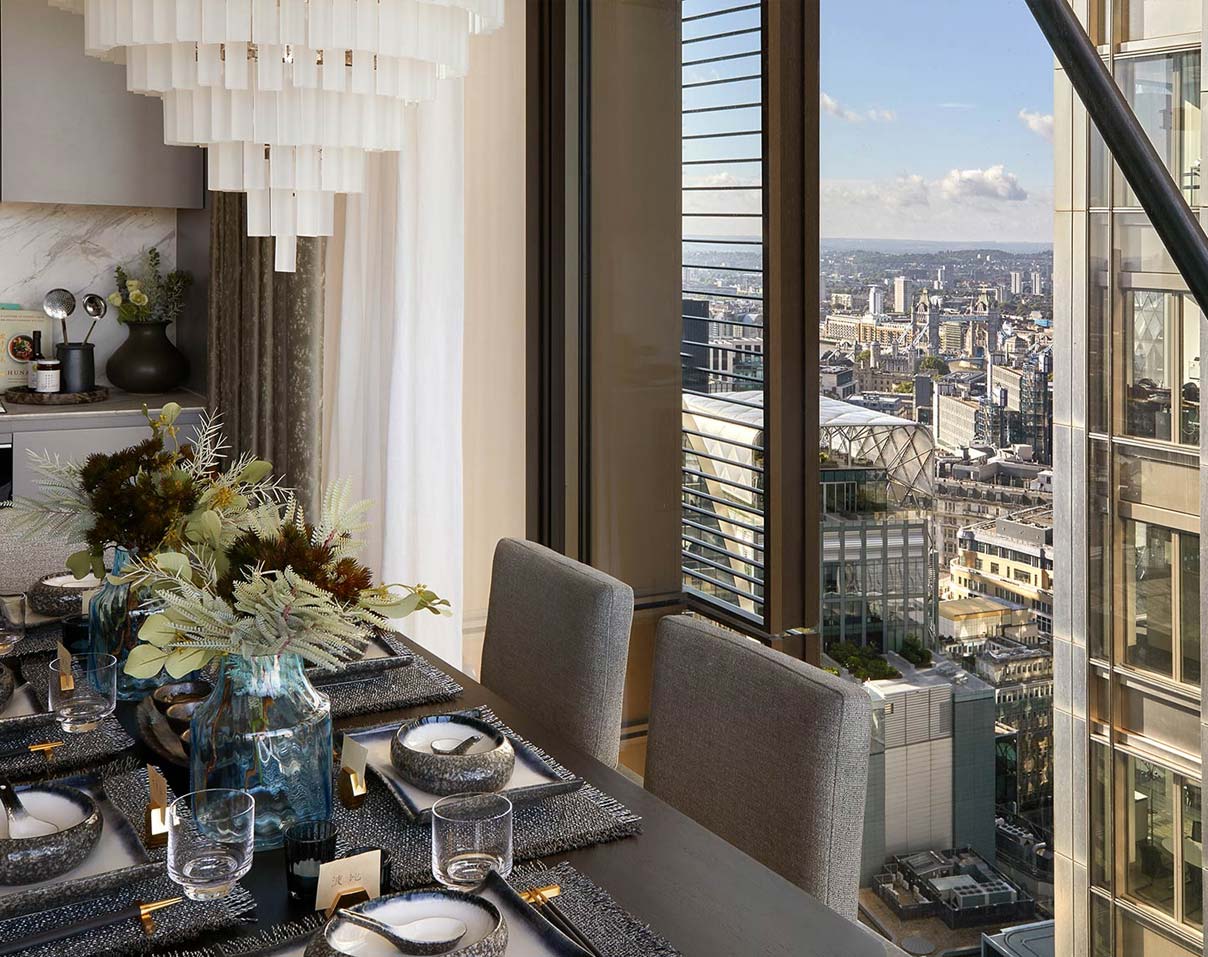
(147, 362)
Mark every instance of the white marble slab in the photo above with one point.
(44, 246)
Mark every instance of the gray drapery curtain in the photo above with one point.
(266, 347)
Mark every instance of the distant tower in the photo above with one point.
(940, 275)
(903, 295)
(876, 300)
(1037, 284)
(1016, 284)
(928, 311)
(985, 306)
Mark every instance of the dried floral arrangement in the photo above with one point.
(152, 298)
(158, 495)
(287, 587)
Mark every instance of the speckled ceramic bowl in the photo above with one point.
(486, 930)
(487, 766)
(25, 861)
(59, 595)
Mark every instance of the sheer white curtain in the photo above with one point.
(393, 376)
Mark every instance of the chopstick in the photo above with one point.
(542, 902)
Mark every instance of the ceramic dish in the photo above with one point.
(58, 595)
(486, 765)
(486, 929)
(24, 861)
(532, 779)
(8, 685)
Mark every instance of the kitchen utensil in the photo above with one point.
(542, 901)
(136, 911)
(45, 748)
(96, 307)
(59, 304)
(21, 824)
(428, 935)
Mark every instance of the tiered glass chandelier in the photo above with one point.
(287, 95)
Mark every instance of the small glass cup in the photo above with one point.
(75, 634)
(471, 836)
(210, 838)
(308, 845)
(12, 621)
(92, 696)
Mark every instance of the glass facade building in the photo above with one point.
(1127, 717)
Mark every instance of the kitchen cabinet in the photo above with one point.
(69, 130)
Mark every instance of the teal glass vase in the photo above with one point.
(114, 618)
(266, 730)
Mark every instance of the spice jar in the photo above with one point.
(47, 375)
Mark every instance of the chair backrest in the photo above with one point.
(557, 643)
(764, 750)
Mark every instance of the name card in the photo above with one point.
(66, 678)
(339, 881)
(157, 809)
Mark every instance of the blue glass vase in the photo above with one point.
(114, 618)
(266, 730)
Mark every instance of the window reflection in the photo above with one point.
(1189, 607)
(1101, 816)
(1149, 633)
(1164, 92)
(1193, 858)
(1149, 829)
(1146, 19)
(1147, 398)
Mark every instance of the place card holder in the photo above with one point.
(348, 897)
(351, 785)
(155, 820)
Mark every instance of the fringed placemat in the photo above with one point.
(385, 684)
(553, 825)
(174, 926)
(77, 751)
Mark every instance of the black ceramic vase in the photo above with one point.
(147, 361)
(78, 372)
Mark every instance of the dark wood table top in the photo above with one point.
(706, 897)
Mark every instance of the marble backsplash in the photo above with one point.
(43, 246)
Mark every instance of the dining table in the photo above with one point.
(706, 897)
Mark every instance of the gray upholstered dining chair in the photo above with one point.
(765, 751)
(557, 643)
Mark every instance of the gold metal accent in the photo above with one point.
(46, 749)
(540, 895)
(349, 897)
(155, 830)
(146, 910)
(352, 788)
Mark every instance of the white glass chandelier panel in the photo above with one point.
(287, 95)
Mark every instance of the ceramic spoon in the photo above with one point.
(453, 746)
(428, 935)
(21, 824)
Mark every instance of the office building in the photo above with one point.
(876, 300)
(1128, 722)
(903, 295)
(1009, 558)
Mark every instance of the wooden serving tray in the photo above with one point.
(23, 396)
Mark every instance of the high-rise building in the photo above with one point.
(1016, 284)
(1037, 284)
(903, 295)
(876, 300)
(1129, 728)
(941, 276)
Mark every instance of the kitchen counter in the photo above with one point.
(121, 408)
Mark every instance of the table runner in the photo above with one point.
(552, 825)
(613, 930)
(78, 750)
(175, 926)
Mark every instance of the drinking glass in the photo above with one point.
(308, 845)
(93, 694)
(210, 837)
(12, 621)
(75, 633)
(471, 836)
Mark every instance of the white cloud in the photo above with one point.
(832, 106)
(992, 183)
(965, 205)
(1039, 123)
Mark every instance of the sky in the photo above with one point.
(936, 121)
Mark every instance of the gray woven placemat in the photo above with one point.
(385, 685)
(39, 639)
(78, 750)
(553, 825)
(613, 930)
(176, 925)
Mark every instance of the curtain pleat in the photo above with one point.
(266, 347)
